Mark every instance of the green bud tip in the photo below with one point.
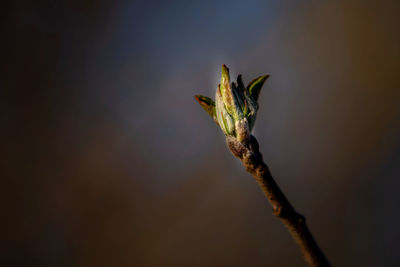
(208, 105)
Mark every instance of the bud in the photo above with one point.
(235, 106)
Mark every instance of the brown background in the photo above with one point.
(108, 161)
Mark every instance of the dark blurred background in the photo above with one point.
(107, 160)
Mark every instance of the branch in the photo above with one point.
(234, 110)
(252, 160)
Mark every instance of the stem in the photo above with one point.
(252, 159)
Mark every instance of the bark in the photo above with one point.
(248, 152)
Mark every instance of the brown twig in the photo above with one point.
(251, 158)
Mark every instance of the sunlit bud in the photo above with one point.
(235, 106)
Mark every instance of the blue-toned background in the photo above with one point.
(109, 161)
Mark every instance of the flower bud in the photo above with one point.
(235, 106)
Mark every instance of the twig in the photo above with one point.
(252, 160)
(234, 110)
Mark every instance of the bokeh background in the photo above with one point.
(107, 160)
